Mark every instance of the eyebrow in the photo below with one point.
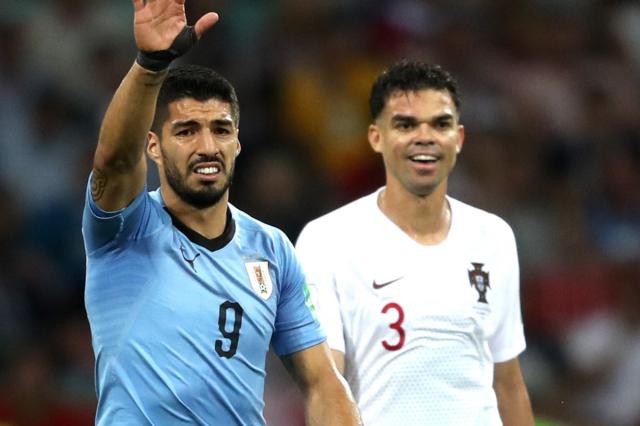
(183, 123)
(223, 121)
(188, 123)
(445, 116)
(412, 119)
(407, 118)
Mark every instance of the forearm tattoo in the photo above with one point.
(98, 183)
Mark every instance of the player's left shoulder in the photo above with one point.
(250, 230)
(476, 220)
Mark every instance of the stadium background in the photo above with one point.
(551, 104)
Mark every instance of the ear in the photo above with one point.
(238, 149)
(375, 138)
(153, 148)
(460, 139)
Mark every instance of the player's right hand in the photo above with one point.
(157, 23)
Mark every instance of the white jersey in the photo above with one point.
(421, 326)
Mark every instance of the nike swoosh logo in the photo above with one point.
(380, 285)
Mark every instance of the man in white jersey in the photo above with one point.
(184, 292)
(418, 292)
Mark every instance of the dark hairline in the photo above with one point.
(400, 92)
(194, 82)
(162, 114)
(411, 76)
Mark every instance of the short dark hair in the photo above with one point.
(197, 82)
(410, 75)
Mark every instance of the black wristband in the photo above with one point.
(161, 59)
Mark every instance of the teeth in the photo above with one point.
(423, 157)
(207, 170)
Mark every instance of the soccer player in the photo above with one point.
(184, 292)
(419, 292)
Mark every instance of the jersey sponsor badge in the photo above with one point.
(260, 278)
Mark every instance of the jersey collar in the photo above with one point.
(212, 244)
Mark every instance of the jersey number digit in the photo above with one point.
(233, 335)
(397, 326)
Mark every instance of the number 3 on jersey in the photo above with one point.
(234, 334)
(396, 325)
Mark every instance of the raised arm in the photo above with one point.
(119, 166)
(328, 400)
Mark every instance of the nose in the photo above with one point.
(208, 145)
(424, 134)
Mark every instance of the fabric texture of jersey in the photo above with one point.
(420, 326)
(181, 331)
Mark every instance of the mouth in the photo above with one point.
(208, 171)
(424, 158)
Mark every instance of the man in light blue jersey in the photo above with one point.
(184, 292)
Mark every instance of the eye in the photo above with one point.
(444, 124)
(185, 132)
(222, 131)
(404, 125)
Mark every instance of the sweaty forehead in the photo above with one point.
(192, 109)
(424, 100)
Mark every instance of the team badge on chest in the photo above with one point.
(479, 279)
(260, 278)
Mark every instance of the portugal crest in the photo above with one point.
(479, 279)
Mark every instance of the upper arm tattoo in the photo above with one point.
(98, 183)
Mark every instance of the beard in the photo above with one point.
(198, 198)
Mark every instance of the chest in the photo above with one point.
(226, 299)
(425, 290)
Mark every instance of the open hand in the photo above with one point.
(156, 23)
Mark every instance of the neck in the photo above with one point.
(208, 222)
(426, 219)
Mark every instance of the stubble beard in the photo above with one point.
(198, 198)
(425, 189)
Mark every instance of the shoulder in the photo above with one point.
(251, 228)
(144, 200)
(475, 220)
(142, 216)
(343, 220)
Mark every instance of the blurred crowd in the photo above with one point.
(551, 105)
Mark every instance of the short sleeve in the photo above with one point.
(317, 262)
(508, 340)
(100, 227)
(296, 328)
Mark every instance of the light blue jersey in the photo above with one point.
(181, 324)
